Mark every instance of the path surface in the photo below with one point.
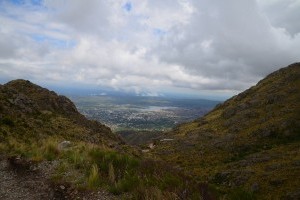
(34, 184)
(15, 184)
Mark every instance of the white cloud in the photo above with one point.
(154, 46)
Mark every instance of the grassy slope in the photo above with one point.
(37, 112)
(249, 141)
(34, 121)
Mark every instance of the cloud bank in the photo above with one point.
(149, 46)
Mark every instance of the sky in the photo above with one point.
(148, 47)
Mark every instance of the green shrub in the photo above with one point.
(7, 121)
(128, 183)
(147, 193)
(170, 181)
(94, 177)
(51, 151)
(111, 174)
(121, 163)
(76, 158)
(241, 194)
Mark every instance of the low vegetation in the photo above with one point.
(90, 166)
(246, 148)
(250, 142)
(37, 127)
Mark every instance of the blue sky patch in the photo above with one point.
(58, 43)
(127, 6)
(17, 2)
(37, 2)
(28, 2)
(159, 32)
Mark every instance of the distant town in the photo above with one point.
(141, 113)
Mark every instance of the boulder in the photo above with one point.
(64, 145)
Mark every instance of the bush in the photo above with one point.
(76, 158)
(170, 181)
(144, 193)
(7, 121)
(94, 177)
(128, 183)
(121, 163)
(51, 151)
(241, 194)
(111, 174)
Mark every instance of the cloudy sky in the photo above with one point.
(148, 47)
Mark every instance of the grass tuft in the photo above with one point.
(111, 174)
(94, 177)
(50, 150)
(241, 194)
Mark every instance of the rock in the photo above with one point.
(64, 145)
(112, 145)
(19, 163)
(166, 140)
(151, 146)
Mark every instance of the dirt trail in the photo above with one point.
(34, 184)
(21, 184)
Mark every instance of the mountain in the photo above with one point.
(248, 146)
(29, 109)
(48, 150)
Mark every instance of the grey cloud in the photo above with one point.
(228, 41)
(205, 44)
(8, 46)
(86, 17)
(284, 14)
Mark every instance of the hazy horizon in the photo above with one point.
(185, 48)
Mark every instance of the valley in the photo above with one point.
(142, 113)
(149, 100)
(244, 148)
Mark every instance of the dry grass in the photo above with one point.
(94, 177)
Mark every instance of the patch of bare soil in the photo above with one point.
(21, 179)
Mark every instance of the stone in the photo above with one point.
(64, 145)
(151, 146)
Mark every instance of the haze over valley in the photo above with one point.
(142, 113)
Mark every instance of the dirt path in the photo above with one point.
(34, 184)
(15, 184)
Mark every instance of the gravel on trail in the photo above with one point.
(34, 183)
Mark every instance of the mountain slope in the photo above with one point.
(27, 109)
(44, 141)
(250, 141)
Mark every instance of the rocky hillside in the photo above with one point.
(30, 111)
(50, 151)
(249, 146)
